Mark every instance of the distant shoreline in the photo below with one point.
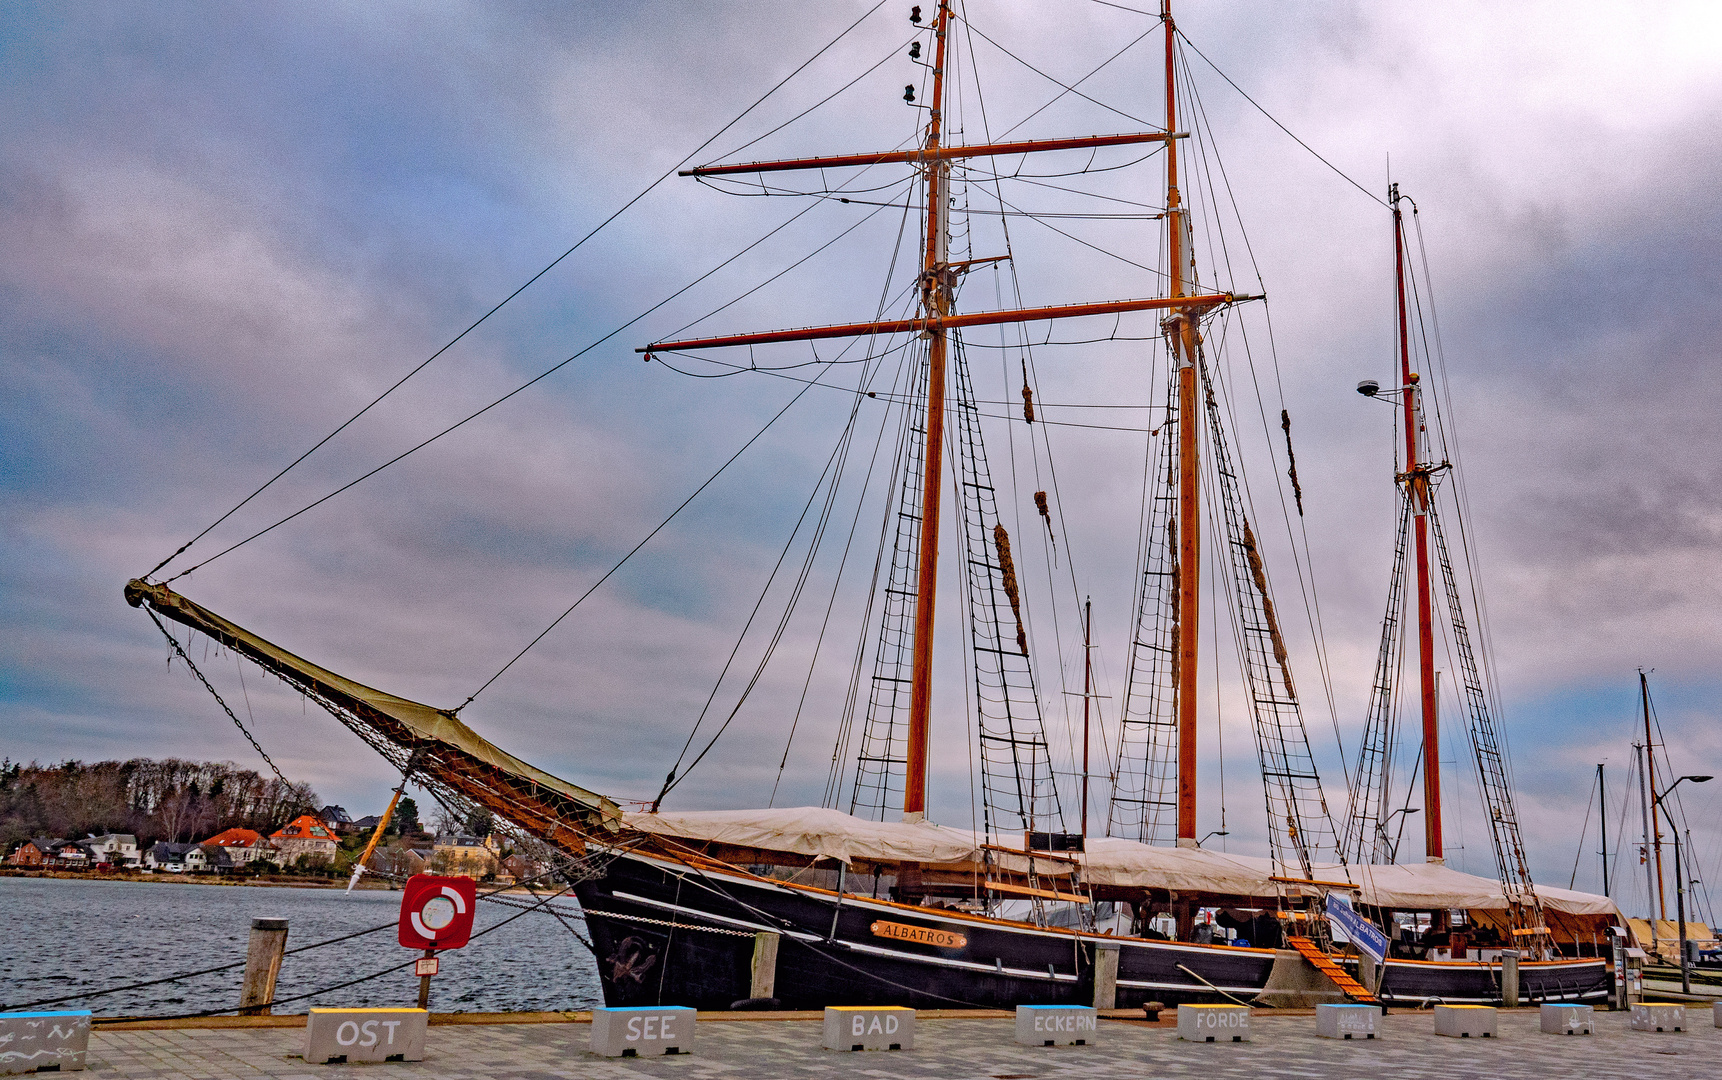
(190, 879)
(365, 884)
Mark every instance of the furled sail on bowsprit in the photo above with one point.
(440, 751)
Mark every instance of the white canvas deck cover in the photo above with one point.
(812, 831)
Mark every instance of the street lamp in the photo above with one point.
(1392, 846)
(1680, 886)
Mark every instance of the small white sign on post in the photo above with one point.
(1465, 1021)
(43, 1040)
(856, 1027)
(1346, 1021)
(1214, 1023)
(365, 1035)
(1056, 1025)
(1568, 1019)
(643, 1031)
(1659, 1017)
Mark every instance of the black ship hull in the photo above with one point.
(668, 934)
(856, 953)
(1455, 982)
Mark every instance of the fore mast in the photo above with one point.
(937, 286)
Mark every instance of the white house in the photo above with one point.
(175, 858)
(119, 849)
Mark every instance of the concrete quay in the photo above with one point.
(767, 1047)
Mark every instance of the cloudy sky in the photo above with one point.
(225, 230)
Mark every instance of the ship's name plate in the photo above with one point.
(941, 939)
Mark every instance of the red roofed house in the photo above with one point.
(241, 845)
(305, 837)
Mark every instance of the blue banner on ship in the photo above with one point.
(1357, 929)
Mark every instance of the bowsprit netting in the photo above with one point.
(1300, 828)
(1017, 784)
(1144, 803)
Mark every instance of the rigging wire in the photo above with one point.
(498, 401)
(481, 319)
(1337, 170)
(833, 469)
(894, 52)
(1068, 88)
(1071, 88)
(1026, 355)
(1306, 580)
(854, 524)
(1583, 830)
(643, 541)
(289, 790)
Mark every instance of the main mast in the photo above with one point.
(935, 305)
(1416, 479)
(1181, 330)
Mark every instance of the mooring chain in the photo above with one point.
(255, 745)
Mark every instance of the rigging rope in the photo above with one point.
(643, 541)
(600, 226)
(287, 786)
(1337, 170)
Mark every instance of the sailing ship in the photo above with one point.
(1019, 909)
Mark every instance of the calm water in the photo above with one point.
(65, 937)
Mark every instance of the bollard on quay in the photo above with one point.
(262, 966)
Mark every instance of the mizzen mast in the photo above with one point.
(1416, 480)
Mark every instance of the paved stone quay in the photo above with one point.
(947, 1049)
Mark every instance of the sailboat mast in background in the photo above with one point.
(1657, 898)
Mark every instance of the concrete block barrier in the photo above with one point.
(1568, 1019)
(43, 1040)
(1056, 1025)
(1346, 1021)
(1659, 1017)
(643, 1031)
(855, 1027)
(1466, 1021)
(365, 1035)
(1214, 1023)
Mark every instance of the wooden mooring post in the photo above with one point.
(262, 965)
(764, 981)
